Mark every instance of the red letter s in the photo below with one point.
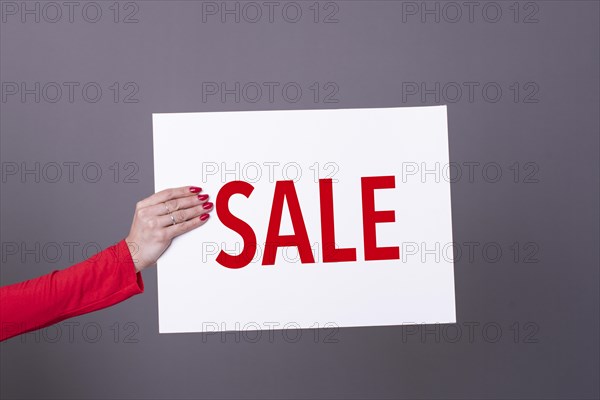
(235, 224)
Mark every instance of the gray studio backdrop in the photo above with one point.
(80, 81)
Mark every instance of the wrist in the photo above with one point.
(133, 252)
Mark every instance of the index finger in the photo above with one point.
(169, 194)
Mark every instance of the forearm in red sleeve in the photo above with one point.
(101, 281)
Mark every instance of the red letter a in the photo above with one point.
(285, 190)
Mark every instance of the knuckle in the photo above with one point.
(152, 223)
(179, 216)
(140, 212)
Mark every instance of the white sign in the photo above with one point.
(322, 218)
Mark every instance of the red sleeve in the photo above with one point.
(101, 281)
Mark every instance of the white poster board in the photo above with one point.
(406, 147)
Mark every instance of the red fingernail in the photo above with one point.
(207, 206)
(195, 189)
(204, 217)
(202, 197)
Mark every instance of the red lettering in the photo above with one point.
(285, 190)
(235, 224)
(330, 253)
(372, 217)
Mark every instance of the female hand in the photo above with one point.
(161, 217)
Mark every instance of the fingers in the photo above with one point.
(181, 228)
(169, 194)
(180, 216)
(177, 204)
(180, 205)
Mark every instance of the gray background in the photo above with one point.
(547, 310)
